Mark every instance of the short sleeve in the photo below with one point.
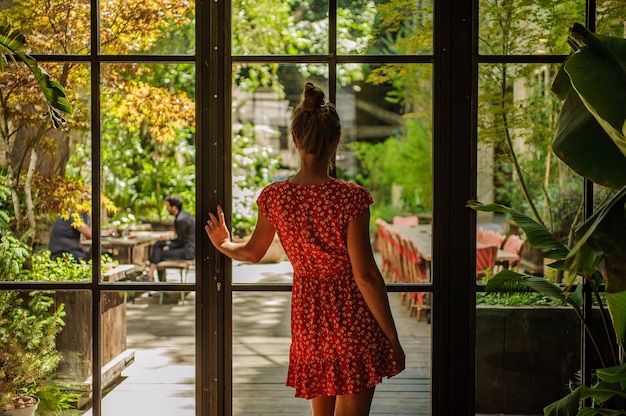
(262, 203)
(358, 199)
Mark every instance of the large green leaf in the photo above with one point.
(612, 383)
(11, 41)
(617, 309)
(586, 147)
(605, 233)
(590, 129)
(536, 234)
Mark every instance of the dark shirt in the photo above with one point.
(185, 226)
(64, 238)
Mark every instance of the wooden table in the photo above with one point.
(134, 248)
(117, 273)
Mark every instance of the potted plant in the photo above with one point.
(590, 138)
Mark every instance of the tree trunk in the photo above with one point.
(30, 207)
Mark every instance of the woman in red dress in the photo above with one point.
(344, 339)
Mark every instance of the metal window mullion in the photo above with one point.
(96, 307)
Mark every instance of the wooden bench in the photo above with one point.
(183, 266)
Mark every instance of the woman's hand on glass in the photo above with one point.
(216, 228)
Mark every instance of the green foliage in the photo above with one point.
(25, 85)
(14, 253)
(254, 166)
(592, 82)
(29, 323)
(59, 269)
(581, 260)
(515, 299)
(28, 354)
(516, 114)
(403, 163)
(607, 395)
(55, 397)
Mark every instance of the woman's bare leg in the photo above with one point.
(358, 405)
(323, 405)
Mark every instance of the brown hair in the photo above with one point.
(315, 123)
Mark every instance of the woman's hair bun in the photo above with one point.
(313, 98)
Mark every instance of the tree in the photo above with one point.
(21, 71)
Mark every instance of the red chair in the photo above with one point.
(418, 273)
(489, 237)
(485, 260)
(383, 246)
(411, 220)
(513, 244)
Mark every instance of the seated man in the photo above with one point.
(65, 236)
(183, 247)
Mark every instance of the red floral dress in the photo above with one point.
(337, 347)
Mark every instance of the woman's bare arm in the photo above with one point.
(252, 250)
(370, 281)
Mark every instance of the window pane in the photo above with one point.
(511, 28)
(520, 127)
(52, 27)
(386, 114)
(43, 189)
(148, 126)
(292, 28)
(610, 18)
(156, 336)
(147, 27)
(264, 97)
(384, 28)
(261, 345)
(45, 345)
(516, 336)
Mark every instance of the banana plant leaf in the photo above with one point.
(11, 41)
(590, 135)
(612, 383)
(603, 237)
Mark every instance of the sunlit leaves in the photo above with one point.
(140, 106)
